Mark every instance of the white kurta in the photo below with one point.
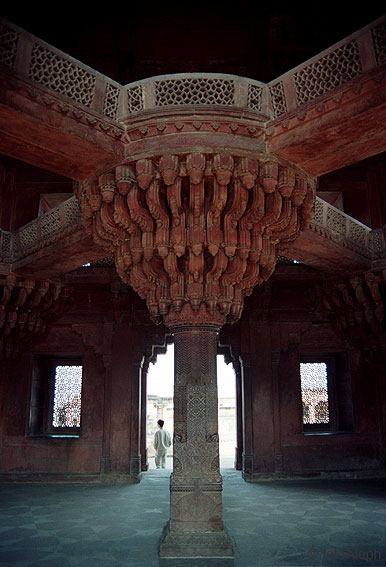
(162, 442)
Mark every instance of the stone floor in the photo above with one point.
(313, 522)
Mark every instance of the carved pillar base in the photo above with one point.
(247, 472)
(195, 528)
(135, 466)
(185, 545)
(238, 459)
(144, 461)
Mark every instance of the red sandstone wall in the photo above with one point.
(279, 322)
(24, 454)
(109, 403)
(282, 324)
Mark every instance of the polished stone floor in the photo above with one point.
(313, 522)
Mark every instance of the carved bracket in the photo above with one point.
(197, 230)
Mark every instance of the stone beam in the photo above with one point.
(57, 136)
(67, 254)
(56, 242)
(52, 244)
(335, 242)
(338, 130)
(55, 112)
(330, 111)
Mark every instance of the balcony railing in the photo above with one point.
(329, 221)
(41, 231)
(340, 64)
(44, 65)
(347, 231)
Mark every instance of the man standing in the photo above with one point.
(161, 443)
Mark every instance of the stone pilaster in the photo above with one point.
(247, 401)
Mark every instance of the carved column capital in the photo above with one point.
(196, 230)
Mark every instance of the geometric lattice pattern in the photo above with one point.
(5, 244)
(194, 91)
(332, 70)
(61, 75)
(8, 46)
(319, 209)
(358, 234)
(67, 396)
(255, 97)
(134, 99)
(336, 221)
(379, 41)
(110, 106)
(50, 223)
(28, 235)
(313, 377)
(71, 211)
(279, 104)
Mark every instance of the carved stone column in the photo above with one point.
(195, 528)
(193, 233)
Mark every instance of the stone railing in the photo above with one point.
(348, 232)
(186, 89)
(43, 230)
(34, 60)
(328, 221)
(345, 61)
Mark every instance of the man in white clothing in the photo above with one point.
(162, 442)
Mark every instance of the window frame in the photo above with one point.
(330, 360)
(42, 396)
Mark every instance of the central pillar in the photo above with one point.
(193, 233)
(195, 528)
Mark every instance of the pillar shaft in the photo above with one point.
(195, 527)
(196, 477)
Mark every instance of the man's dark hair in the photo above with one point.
(161, 422)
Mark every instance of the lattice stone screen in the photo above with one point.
(279, 104)
(110, 106)
(134, 99)
(67, 396)
(194, 91)
(62, 75)
(379, 41)
(332, 70)
(314, 387)
(8, 46)
(255, 97)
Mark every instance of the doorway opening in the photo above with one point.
(160, 382)
(226, 386)
(159, 405)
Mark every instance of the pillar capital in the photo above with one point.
(196, 230)
(187, 320)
